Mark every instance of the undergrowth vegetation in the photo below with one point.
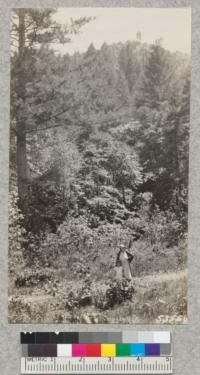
(98, 159)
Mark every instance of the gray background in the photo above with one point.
(186, 337)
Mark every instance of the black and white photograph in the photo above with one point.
(99, 164)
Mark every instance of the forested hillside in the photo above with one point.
(98, 157)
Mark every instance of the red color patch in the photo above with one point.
(93, 350)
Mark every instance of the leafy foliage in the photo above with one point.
(17, 235)
(29, 280)
(99, 157)
(118, 292)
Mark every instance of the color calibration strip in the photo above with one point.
(95, 350)
(126, 337)
(96, 353)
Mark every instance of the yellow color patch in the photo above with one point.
(108, 350)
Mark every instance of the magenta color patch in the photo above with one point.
(78, 350)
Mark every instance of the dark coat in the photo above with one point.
(118, 262)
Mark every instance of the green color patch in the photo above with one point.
(123, 350)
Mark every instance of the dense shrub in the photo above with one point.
(163, 227)
(45, 206)
(29, 278)
(82, 297)
(116, 292)
(157, 226)
(119, 291)
(17, 235)
(16, 221)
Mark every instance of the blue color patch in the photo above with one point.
(138, 350)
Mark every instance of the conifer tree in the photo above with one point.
(154, 87)
(31, 28)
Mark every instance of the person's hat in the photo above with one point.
(122, 246)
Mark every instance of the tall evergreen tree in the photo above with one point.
(31, 28)
(157, 72)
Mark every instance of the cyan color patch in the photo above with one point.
(137, 350)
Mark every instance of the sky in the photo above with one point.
(112, 25)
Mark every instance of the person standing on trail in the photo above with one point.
(123, 261)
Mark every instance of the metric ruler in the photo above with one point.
(96, 365)
(88, 353)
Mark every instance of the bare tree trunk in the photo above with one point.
(21, 162)
(123, 195)
(20, 125)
